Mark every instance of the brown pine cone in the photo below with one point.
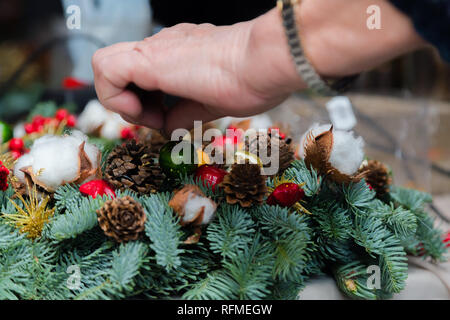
(244, 185)
(122, 219)
(258, 145)
(153, 139)
(131, 166)
(377, 176)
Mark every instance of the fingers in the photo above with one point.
(185, 113)
(112, 75)
(111, 50)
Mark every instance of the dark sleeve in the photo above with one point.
(431, 19)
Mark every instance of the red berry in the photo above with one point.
(61, 114)
(4, 172)
(38, 120)
(447, 240)
(29, 128)
(16, 144)
(71, 83)
(286, 195)
(97, 187)
(127, 134)
(210, 175)
(16, 154)
(71, 121)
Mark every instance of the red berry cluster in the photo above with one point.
(447, 240)
(39, 122)
(17, 147)
(4, 173)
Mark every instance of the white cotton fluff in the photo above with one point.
(316, 130)
(113, 126)
(19, 130)
(195, 204)
(92, 117)
(347, 153)
(95, 116)
(56, 159)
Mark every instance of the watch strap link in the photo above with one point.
(303, 66)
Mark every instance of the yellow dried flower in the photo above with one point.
(32, 217)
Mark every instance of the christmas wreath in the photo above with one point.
(106, 213)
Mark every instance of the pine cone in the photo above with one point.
(377, 176)
(244, 185)
(122, 219)
(264, 141)
(132, 166)
(153, 139)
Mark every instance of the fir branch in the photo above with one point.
(9, 237)
(430, 239)
(358, 196)
(163, 229)
(412, 200)
(287, 290)
(76, 220)
(351, 278)
(291, 237)
(232, 230)
(126, 263)
(334, 222)
(14, 278)
(371, 234)
(394, 266)
(400, 221)
(217, 285)
(300, 173)
(251, 270)
(67, 196)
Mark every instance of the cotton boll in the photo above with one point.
(113, 126)
(56, 163)
(24, 161)
(315, 130)
(196, 204)
(93, 117)
(192, 206)
(55, 160)
(347, 152)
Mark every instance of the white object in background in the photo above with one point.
(341, 113)
(110, 22)
(96, 118)
(19, 130)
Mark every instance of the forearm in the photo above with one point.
(335, 38)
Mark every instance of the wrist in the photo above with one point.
(268, 50)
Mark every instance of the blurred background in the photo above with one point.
(402, 108)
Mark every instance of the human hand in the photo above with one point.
(244, 69)
(213, 69)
